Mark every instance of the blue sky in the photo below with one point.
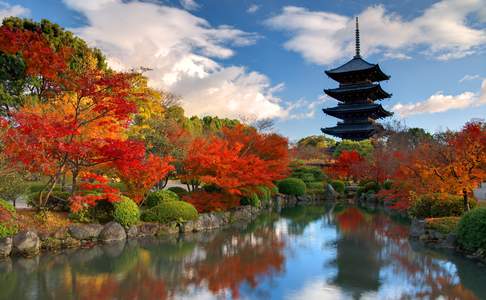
(260, 59)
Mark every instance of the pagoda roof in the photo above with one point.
(372, 110)
(353, 131)
(349, 91)
(360, 67)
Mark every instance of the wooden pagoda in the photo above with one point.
(358, 90)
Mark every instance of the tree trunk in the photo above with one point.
(74, 182)
(466, 202)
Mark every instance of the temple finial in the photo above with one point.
(357, 38)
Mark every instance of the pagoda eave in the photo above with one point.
(366, 91)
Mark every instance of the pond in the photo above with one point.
(302, 253)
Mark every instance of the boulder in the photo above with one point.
(61, 233)
(85, 231)
(207, 221)
(168, 229)
(148, 229)
(70, 242)
(132, 232)
(5, 247)
(417, 228)
(111, 232)
(26, 243)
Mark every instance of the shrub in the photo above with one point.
(438, 205)
(471, 230)
(8, 226)
(172, 211)
(338, 186)
(57, 200)
(307, 174)
(387, 184)
(252, 200)
(180, 191)
(126, 212)
(211, 188)
(291, 186)
(443, 225)
(264, 193)
(371, 186)
(315, 187)
(155, 198)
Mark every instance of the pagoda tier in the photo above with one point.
(358, 91)
(354, 111)
(357, 70)
(354, 131)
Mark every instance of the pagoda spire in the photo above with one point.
(357, 39)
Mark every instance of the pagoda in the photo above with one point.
(358, 90)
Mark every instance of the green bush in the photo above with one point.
(387, 184)
(372, 187)
(155, 198)
(126, 212)
(471, 231)
(172, 211)
(438, 205)
(180, 191)
(7, 219)
(307, 174)
(264, 193)
(57, 200)
(443, 225)
(338, 186)
(211, 188)
(252, 200)
(292, 186)
(315, 187)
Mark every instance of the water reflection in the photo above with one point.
(304, 253)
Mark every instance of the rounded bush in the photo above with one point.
(252, 200)
(338, 186)
(8, 227)
(371, 186)
(172, 211)
(155, 198)
(126, 212)
(471, 231)
(292, 186)
(315, 187)
(438, 205)
(180, 191)
(387, 184)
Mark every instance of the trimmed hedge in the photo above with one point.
(158, 197)
(172, 211)
(438, 205)
(126, 212)
(315, 187)
(338, 186)
(8, 217)
(471, 231)
(292, 186)
(180, 191)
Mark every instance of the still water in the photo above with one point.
(303, 253)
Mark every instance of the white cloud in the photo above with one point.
(253, 8)
(189, 4)
(324, 37)
(7, 10)
(397, 55)
(469, 77)
(441, 103)
(181, 49)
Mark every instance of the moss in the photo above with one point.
(292, 186)
(126, 212)
(158, 197)
(443, 225)
(172, 211)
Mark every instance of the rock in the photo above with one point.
(70, 242)
(26, 243)
(5, 247)
(61, 233)
(113, 232)
(207, 221)
(51, 244)
(243, 213)
(168, 229)
(187, 227)
(148, 229)
(450, 241)
(132, 232)
(417, 228)
(85, 231)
